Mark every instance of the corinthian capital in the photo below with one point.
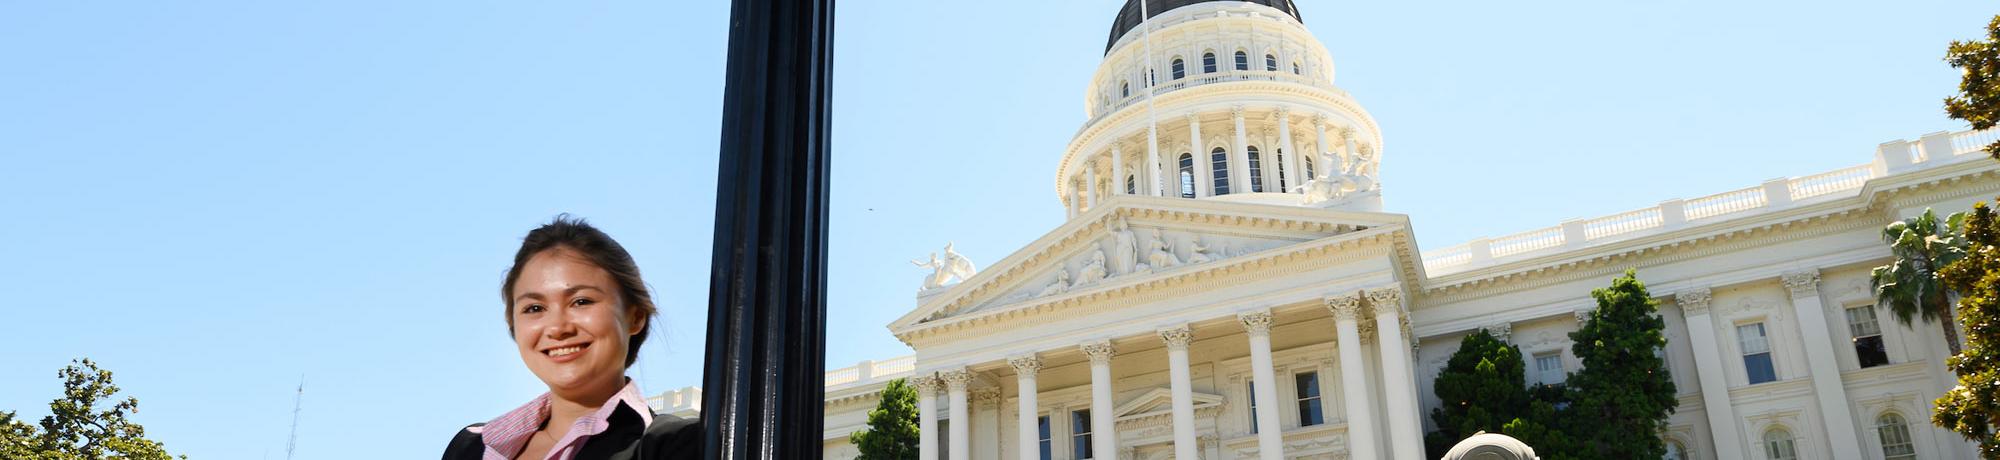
(1803, 283)
(1177, 338)
(1256, 322)
(1345, 307)
(1388, 299)
(956, 379)
(1693, 302)
(926, 385)
(1236, 111)
(1099, 351)
(1025, 365)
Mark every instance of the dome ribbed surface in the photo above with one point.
(1128, 17)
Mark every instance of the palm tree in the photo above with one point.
(1909, 286)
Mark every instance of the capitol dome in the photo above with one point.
(1128, 17)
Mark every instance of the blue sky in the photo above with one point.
(214, 199)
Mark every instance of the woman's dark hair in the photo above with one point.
(578, 236)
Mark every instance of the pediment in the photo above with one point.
(1160, 401)
(1131, 239)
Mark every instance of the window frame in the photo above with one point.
(1079, 434)
(1242, 61)
(1179, 68)
(1189, 188)
(1270, 62)
(1316, 400)
(1858, 337)
(1209, 63)
(1256, 172)
(1902, 425)
(1743, 348)
(1790, 444)
(1218, 175)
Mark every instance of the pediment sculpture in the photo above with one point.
(952, 266)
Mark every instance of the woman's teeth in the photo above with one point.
(565, 351)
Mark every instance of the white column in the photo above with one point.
(961, 419)
(1708, 370)
(1290, 162)
(1406, 433)
(1118, 170)
(1153, 158)
(1319, 123)
(986, 405)
(1239, 163)
(1264, 383)
(1204, 171)
(1103, 426)
(927, 387)
(1183, 390)
(1069, 198)
(1826, 383)
(1027, 432)
(1353, 380)
(1090, 185)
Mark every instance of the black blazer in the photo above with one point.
(668, 438)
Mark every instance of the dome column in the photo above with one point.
(1319, 123)
(1239, 159)
(1204, 173)
(1117, 170)
(1153, 158)
(1289, 161)
(1090, 185)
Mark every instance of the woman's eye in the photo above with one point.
(532, 308)
(582, 302)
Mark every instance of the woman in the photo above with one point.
(578, 312)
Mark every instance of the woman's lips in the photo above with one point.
(566, 353)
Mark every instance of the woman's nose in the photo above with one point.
(562, 329)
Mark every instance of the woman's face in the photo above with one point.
(569, 325)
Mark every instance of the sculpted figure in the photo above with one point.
(1124, 247)
(1092, 271)
(1199, 252)
(944, 270)
(1161, 256)
(1060, 286)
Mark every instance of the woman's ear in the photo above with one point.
(638, 321)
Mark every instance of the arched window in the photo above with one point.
(1207, 62)
(1778, 445)
(1283, 182)
(1296, 69)
(1270, 63)
(1256, 170)
(1675, 451)
(1151, 78)
(1187, 175)
(1308, 170)
(1895, 435)
(1219, 162)
(1180, 69)
(1124, 89)
(1242, 61)
(1131, 184)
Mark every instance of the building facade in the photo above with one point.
(1228, 285)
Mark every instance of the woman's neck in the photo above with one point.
(565, 409)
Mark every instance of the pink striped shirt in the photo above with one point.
(506, 436)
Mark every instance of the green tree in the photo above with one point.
(1978, 98)
(79, 426)
(1909, 286)
(1620, 400)
(1483, 387)
(892, 426)
(1972, 408)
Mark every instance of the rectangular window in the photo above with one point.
(1549, 368)
(1868, 347)
(1307, 386)
(1079, 440)
(1251, 388)
(1756, 353)
(944, 439)
(1043, 424)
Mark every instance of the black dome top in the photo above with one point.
(1128, 17)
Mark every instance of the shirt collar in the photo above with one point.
(509, 433)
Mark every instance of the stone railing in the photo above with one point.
(1198, 79)
(1894, 157)
(867, 372)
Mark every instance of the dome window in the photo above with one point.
(1124, 89)
(1187, 175)
(1256, 171)
(1270, 63)
(1242, 61)
(1208, 63)
(1219, 162)
(1180, 69)
(1295, 68)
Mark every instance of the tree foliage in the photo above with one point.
(1909, 286)
(1620, 400)
(892, 426)
(1972, 408)
(1978, 98)
(1482, 388)
(86, 423)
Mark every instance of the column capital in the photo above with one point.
(926, 385)
(1283, 111)
(1693, 302)
(1346, 133)
(1257, 323)
(1236, 111)
(986, 398)
(1177, 337)
(1099, 351)
(1391, 297)
(1319, 118)
(1345, 307)
(1026, 365)
(1502, 330)
(1193, 117)
(955, 379)
(1802, 283)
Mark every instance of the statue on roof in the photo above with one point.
(953, 265)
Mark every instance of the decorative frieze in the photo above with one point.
(1693, 302)
(1177, 338)
(1099, 352)
(1803, 283)
(1257, 323)
(1026, 365)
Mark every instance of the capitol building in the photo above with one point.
(1229, 284)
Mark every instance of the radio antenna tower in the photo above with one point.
(292, 441)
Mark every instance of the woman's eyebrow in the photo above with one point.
(578, 288)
